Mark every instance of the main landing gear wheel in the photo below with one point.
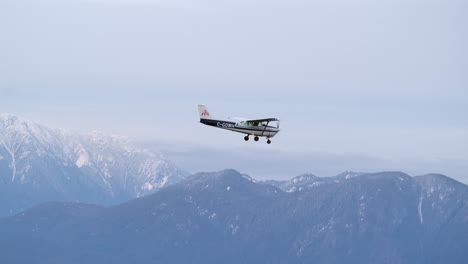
(246, 138)
(269, 141)
(256, 138)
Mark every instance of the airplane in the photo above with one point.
(255, 127)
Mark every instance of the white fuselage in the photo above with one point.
(261, 129)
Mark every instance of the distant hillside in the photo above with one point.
(39, 164)
(226, 217)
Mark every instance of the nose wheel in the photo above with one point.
(269, 141)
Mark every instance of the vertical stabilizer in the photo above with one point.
(203, 111)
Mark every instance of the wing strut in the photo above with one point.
(265, 128)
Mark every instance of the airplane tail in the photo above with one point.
(203, 111)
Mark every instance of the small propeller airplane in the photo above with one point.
(255, 127)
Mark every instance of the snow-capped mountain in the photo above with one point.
(38, 164)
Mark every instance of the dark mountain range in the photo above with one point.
(226, 217)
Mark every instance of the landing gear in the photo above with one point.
(256, 138)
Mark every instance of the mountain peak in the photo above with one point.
(435, 180)
(214, 177)
(349, 175)
(226, 180)
(7, 116)
(300, 183)
(304, 177)
(50, 164)
(11, 123)
(388, 175)
(8, 120)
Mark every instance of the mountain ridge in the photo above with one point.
(38, 163)
(200, 219)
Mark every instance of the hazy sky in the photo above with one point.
(362, 85)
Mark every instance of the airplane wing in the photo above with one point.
(262, 120)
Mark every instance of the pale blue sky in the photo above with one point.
(379, 84)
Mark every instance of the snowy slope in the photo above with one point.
(308, 181)
(38, 163)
